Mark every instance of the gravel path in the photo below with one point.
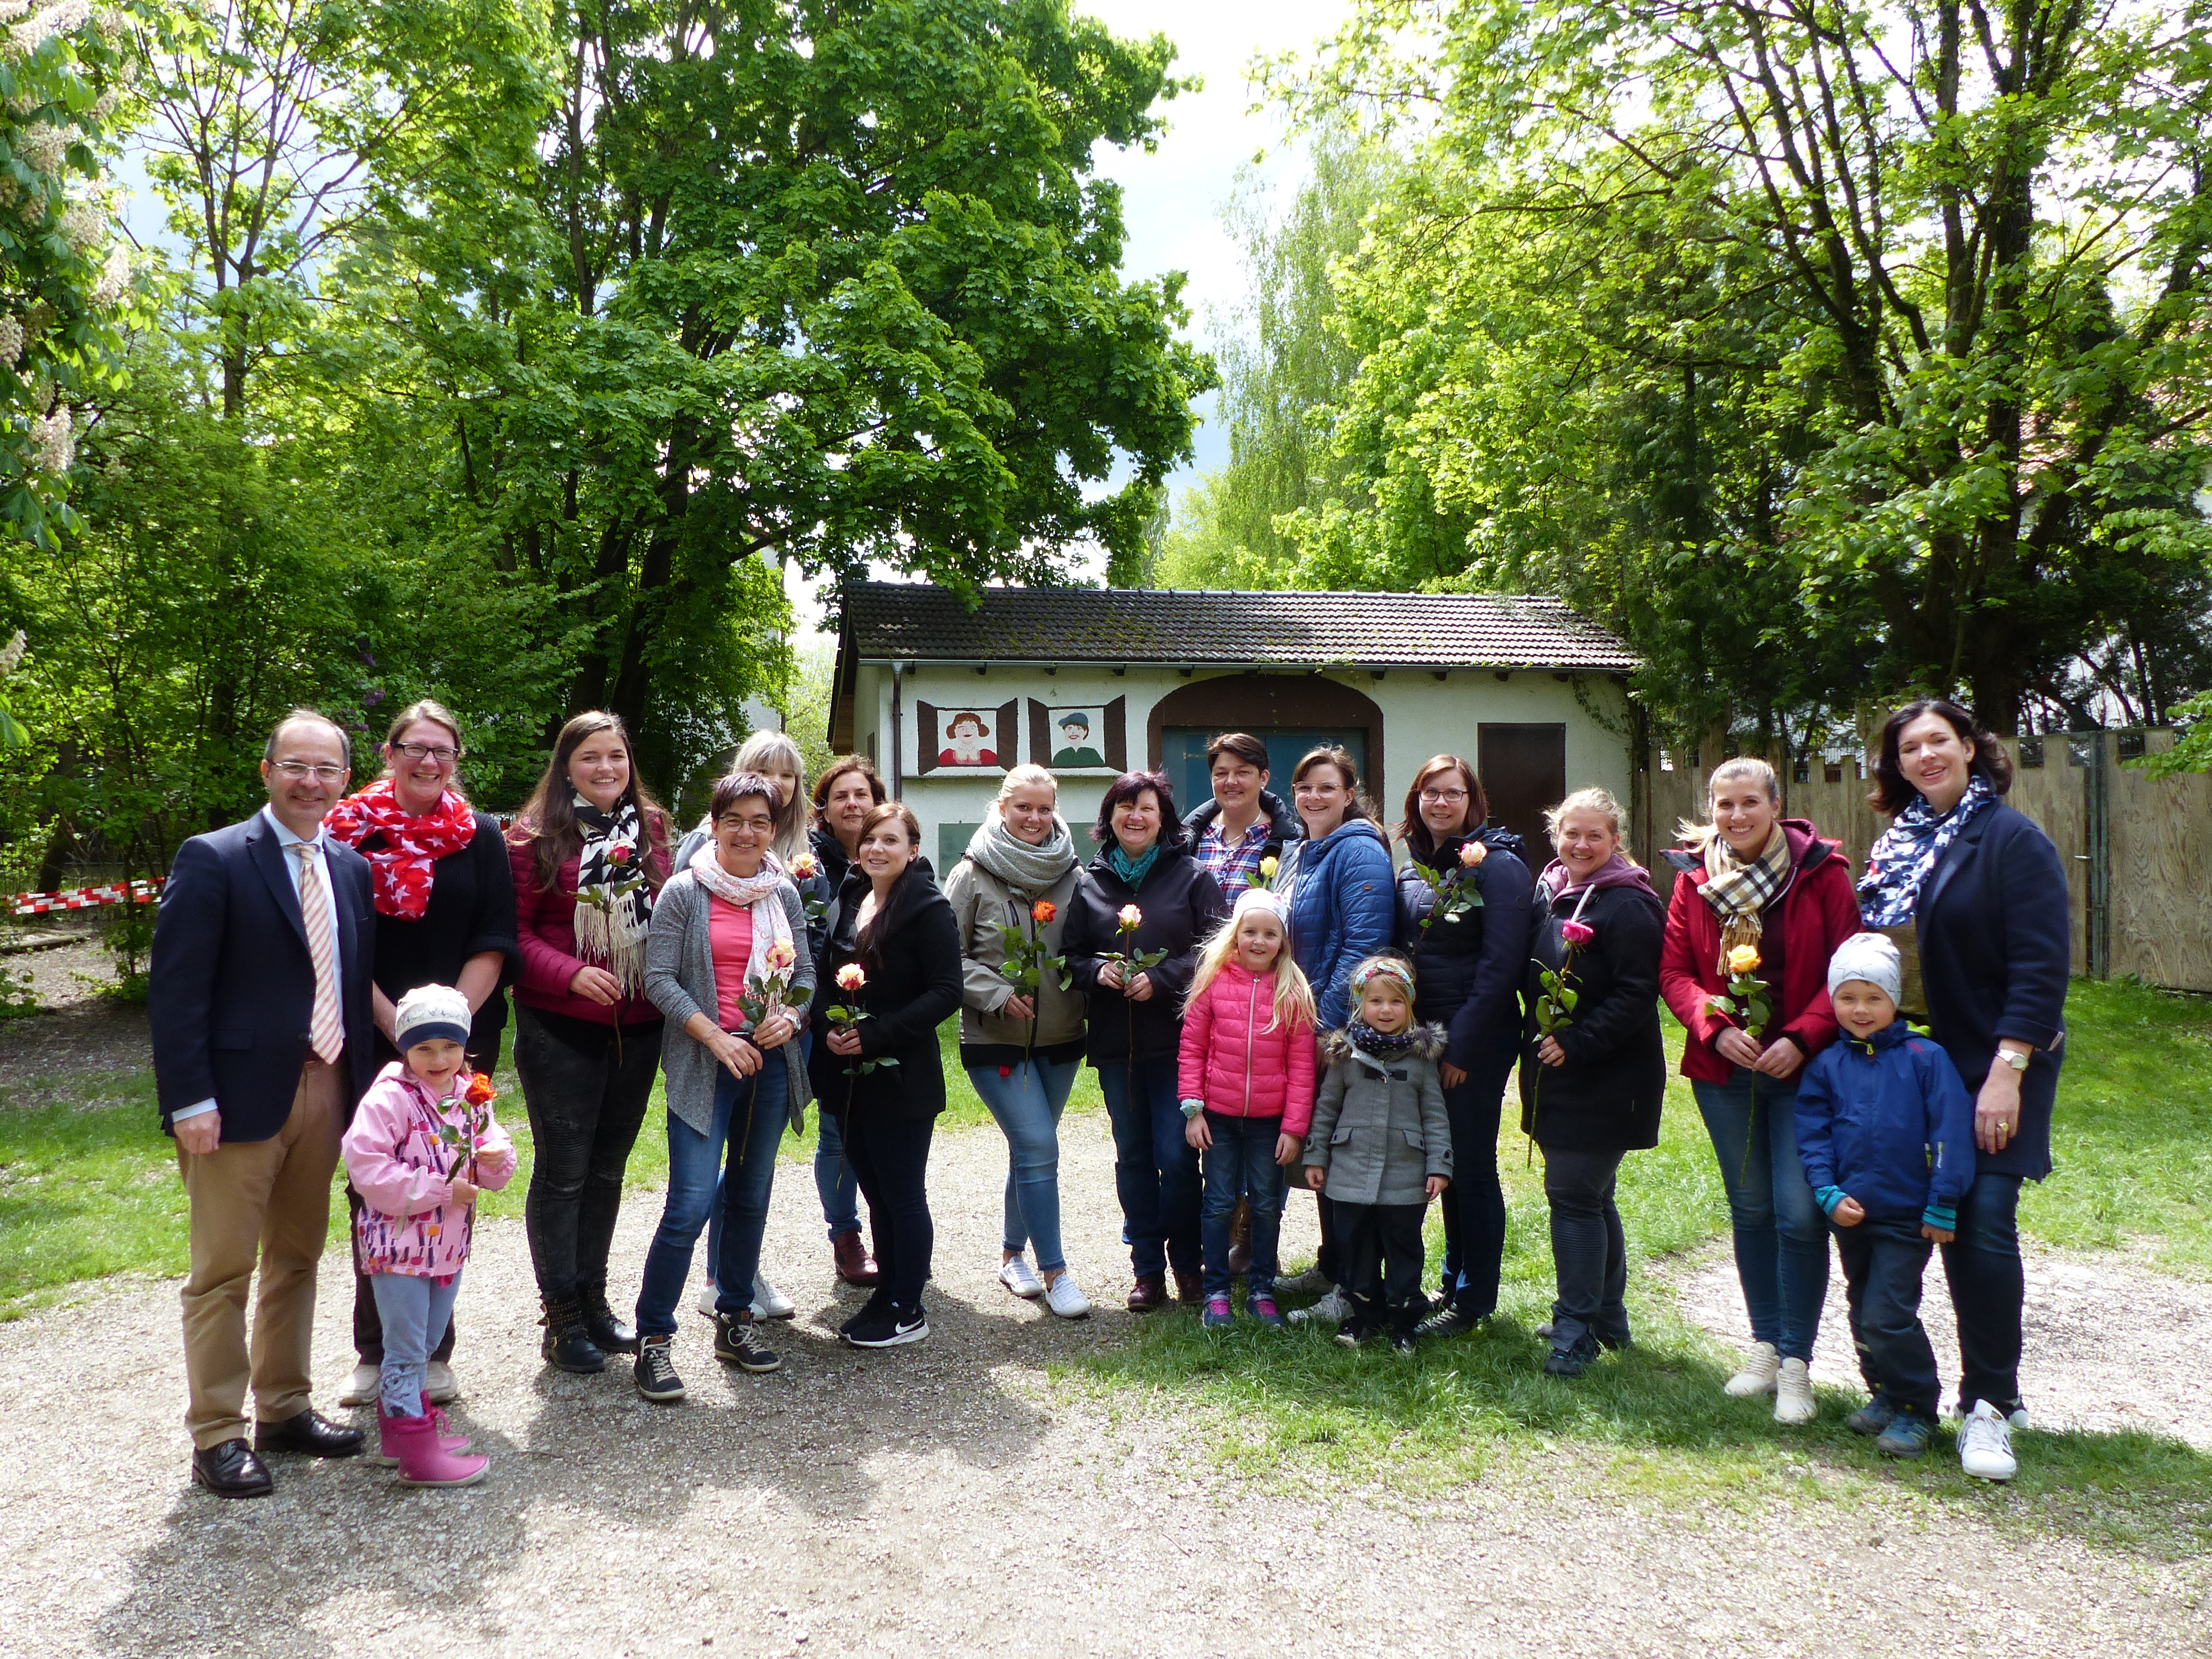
(935, 1500)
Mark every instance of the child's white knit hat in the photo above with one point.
(1870, 956)
(430, 1011)
(1257, 899)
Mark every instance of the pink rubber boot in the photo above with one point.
(424, 1462)
(388, 1449)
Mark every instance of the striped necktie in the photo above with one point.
(326, 1030)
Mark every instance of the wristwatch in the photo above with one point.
(1193, 1108)
(2016, 1058)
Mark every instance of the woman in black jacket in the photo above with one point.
(1136, 1020)
(893, 957)
(1591, 1089)
(1986, 893)
(1464, 905)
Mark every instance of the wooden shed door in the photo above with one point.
(1524, 770)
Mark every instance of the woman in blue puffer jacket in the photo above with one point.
(1338, 889)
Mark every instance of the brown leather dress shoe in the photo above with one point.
(1150, 1292)
(1189, 1287)
(231, 1470)
(854, 1265)
(310, 1433)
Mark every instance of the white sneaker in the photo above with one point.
(1985, 1444)
(362, 1387)
(440, 1386)
(1793, 1393)
(1065, 1297)
(1312, 1282)
(769, 1302)
(1331, 1310)
(2020, 1418)
(1755, 1377)
(709, 1302)
(1017, 1276)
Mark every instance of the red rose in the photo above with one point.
(619, 853)
(481, 1093)
(1042, 912)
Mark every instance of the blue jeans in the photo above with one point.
(1474, 1205)
(1240, 1164)
(416, 1312)
(1027, 1104)
(694, 1165)
(1988, 1288)
(1781, 1237)
(834, 1184)
(1154, 1169)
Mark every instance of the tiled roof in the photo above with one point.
(914, 621)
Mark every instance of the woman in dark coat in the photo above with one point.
(1468, 960)
(893, 957)
(1136, 1020)
(1591, 1090)
(445, 915)
(1986, 892)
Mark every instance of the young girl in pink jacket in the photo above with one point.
(1247, 1085)
(422, 1143)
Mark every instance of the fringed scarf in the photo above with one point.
(757, 894)
(614, 901)
(1739, 890)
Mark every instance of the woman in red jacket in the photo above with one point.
(589, 852)
(1760, 898)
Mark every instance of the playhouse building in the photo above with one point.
(1092, 682)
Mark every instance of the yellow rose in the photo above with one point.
(1743, 958)
(1268, 867)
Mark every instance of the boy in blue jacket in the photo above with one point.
(1886, 1132)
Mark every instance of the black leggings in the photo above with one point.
(890, 1157)
(586, 1097)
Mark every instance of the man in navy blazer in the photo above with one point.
(259, 998)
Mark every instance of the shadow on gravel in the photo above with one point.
(316, 1569)
(1648, 1423)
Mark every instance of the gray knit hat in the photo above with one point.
(1869, 956)
(428, 1013)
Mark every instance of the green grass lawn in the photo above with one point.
(88, 1182)
(89, 1190)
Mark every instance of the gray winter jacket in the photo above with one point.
(679, 977)
(980, 902)
(1379, 1127)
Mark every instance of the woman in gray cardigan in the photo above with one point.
(727, 962)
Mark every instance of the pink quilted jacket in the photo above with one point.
(396, 1161)
(1238, 1067)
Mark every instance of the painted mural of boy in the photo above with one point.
(1075, 748)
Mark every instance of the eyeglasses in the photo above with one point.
(433, 751)
(297, 769)
(1443, 797)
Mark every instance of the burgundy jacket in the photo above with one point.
(1817, 911)
(545, 929)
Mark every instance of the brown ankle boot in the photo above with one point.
(1189, 1287)
(1150, 1292)
(854, 1265)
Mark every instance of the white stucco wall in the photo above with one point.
(1422, 716)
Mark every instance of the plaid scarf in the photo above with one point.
(1739, 891)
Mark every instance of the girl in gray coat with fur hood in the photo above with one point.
(1380, 1148)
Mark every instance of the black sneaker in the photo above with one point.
(1449, 1320)
(1402, 1342)
(738, 1342)
(869, 1310)
(1572, 1361)
(1618, 1342)
(656, 1370)
(889, 1327)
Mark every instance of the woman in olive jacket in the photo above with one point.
(1468, 961)
(1136, 1020)
(882, 1075)
(1591, 1090)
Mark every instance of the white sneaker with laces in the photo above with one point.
(1755, 1377)
(1985, 1444)
(1065, 1297)
(362, 1387)
(440, 1386)
(769, 1302)
(1017, 1276)
(2019, 1419)
(1331, 1310)
(1793, 1393)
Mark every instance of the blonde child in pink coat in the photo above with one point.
(422, 1143)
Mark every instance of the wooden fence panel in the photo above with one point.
(2160, 848)
(2155, 835)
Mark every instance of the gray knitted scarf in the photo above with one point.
(1029, 871)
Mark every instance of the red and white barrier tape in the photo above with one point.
(85, 898)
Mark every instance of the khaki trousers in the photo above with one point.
(271, 1197)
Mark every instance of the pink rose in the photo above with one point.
(1130, 918)
(1577, 933)
(1472, 854)
(781, 955)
